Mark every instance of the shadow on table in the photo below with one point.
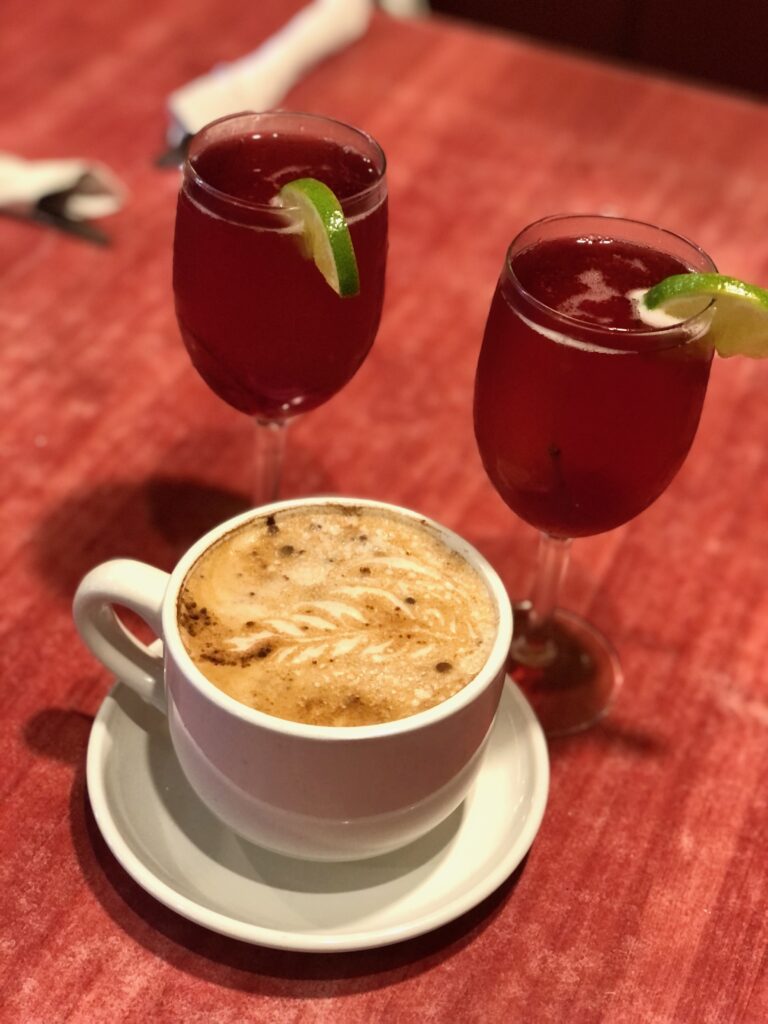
(611, 735)
(62, 735)
(156, 519)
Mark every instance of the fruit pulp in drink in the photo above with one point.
(584, 415)
(262, 326)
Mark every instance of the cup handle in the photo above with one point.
(136, 586)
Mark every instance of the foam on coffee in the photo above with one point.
(336, 615)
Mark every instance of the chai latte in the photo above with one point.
(336, 615)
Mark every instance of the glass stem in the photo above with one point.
(270, 445)
(534, 646)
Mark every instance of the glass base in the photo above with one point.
(571, 678)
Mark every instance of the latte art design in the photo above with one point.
(336, 615)
(351, 618)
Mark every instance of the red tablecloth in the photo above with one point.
(644, 895)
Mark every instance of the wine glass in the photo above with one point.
(262, 326)
(583, 415)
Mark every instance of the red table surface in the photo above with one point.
(644, 896)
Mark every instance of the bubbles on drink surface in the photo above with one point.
(597, 290)
(590, 280)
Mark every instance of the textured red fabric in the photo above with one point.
(644, 896)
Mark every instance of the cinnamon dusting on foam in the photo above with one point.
(336, 615)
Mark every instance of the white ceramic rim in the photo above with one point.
(349, 733)
(99, 745)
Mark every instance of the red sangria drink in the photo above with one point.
(261, 323)
(583, 414)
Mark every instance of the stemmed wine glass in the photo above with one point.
(583, 415)
(262, 326)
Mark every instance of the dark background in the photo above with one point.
(723, 43)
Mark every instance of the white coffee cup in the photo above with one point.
(317, 792)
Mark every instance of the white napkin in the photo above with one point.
(84, 190)
(405, 8)
(259, 80)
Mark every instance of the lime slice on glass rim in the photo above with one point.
(740, 321)
(320, 221)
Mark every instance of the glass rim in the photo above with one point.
(188, 168)
(603, 330)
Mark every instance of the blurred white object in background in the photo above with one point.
(260, 80)
(84, 189)
(405, 8)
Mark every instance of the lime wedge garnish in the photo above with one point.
(324, 232)
(740, 321)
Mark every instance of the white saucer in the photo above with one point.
(182, 855)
